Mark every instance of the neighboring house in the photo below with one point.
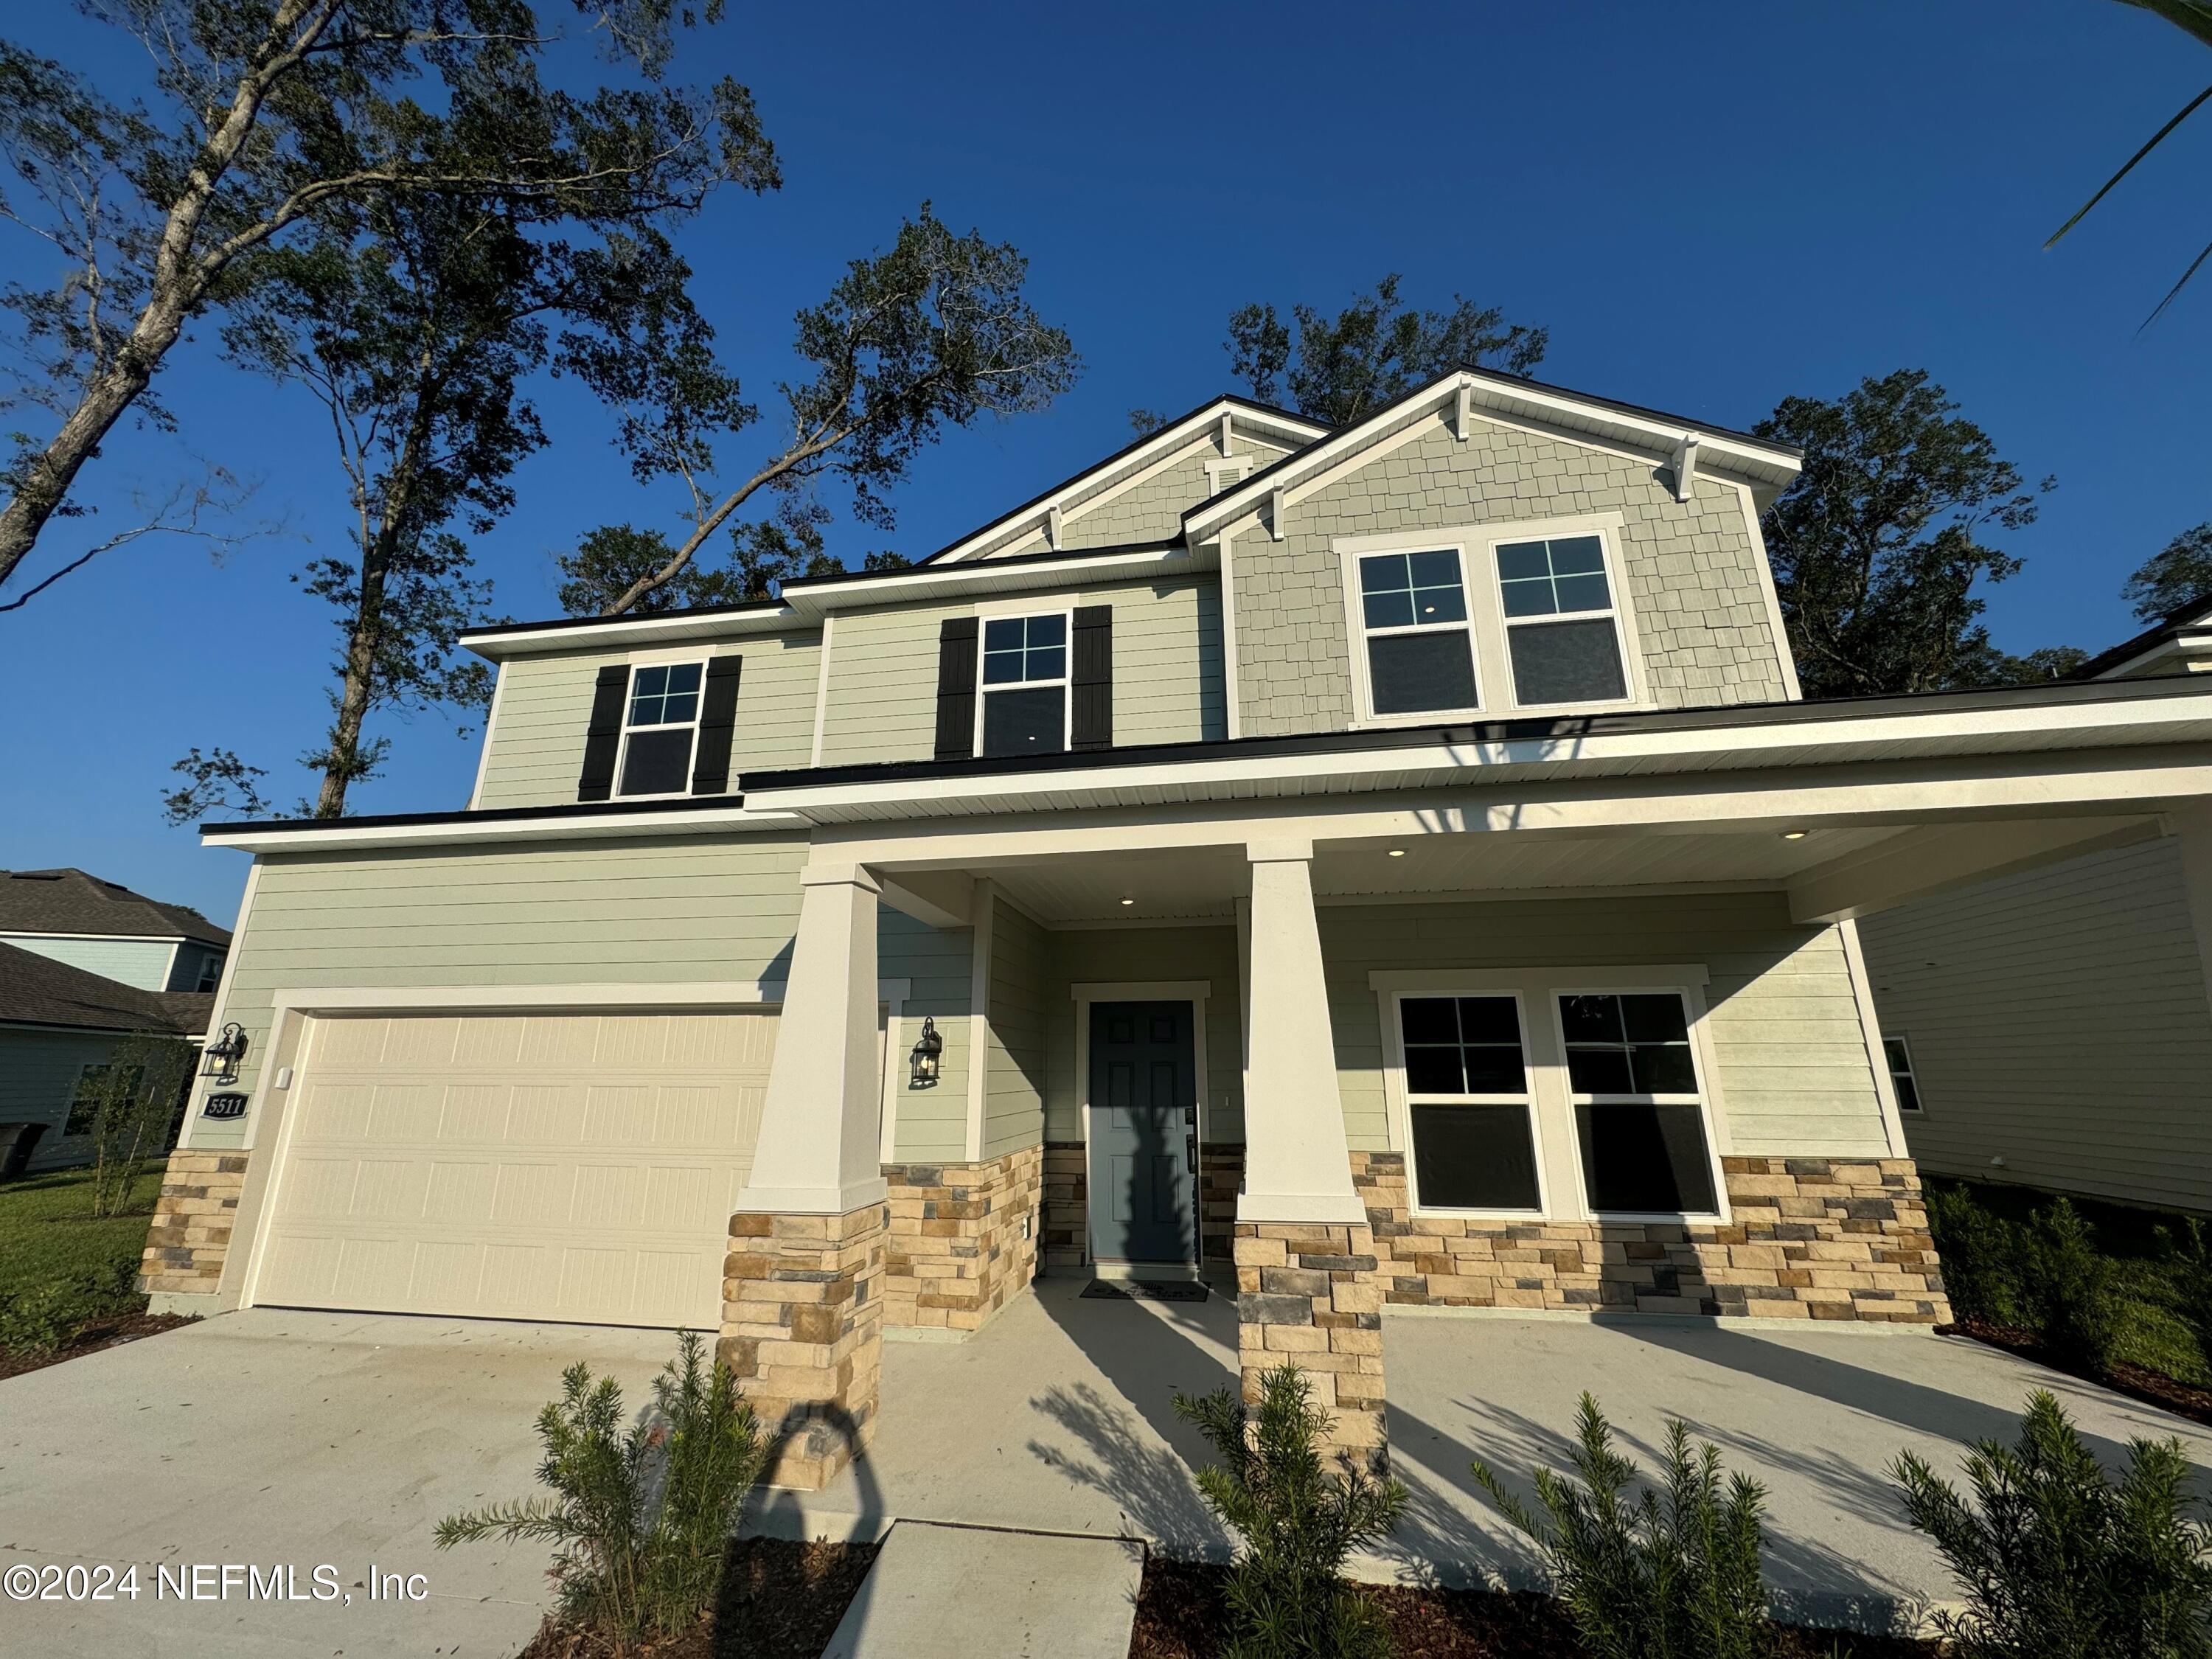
(105, 928)
(1393, 858)
(2055, 1023)
(59, 1026)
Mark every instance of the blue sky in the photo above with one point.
(1711, 206)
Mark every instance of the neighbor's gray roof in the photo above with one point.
(75, 902)
(36, 990)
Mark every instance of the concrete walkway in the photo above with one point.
(960, 1592)
(292, 1439)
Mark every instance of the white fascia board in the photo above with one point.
(1792, 743)
(1750, 464)
(2183, 654)
(461, 831)
(128, 939)
(1199, 423)
(988, 576)
(808, 607)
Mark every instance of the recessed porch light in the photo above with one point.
(1397, 852)
(1128, 901)
(1793, 835)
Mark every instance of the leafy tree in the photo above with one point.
(129, 1105)
(269, 117)
(2193, 17)
(1339, 370)
(936, 331)
(1877, 543)
(760, 555)
(1145, 422)
(2174, 578)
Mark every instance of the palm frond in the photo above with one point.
(2156, 139)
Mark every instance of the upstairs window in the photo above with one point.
(659, 727)
(211, 973)
(1562, 627)
(1899, 1059)
(1420, 652)
(1640, 1112)
(1024, 689)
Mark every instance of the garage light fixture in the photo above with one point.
(220, 1058)
(926, 1055)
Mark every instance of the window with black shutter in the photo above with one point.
(956, 688)
(603, 736)
(1090, 722)
(718, 727)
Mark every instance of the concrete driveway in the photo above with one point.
(280, 1438)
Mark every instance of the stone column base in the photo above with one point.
(1309, 1293)
(963, 1240)
(802, 1330)
(190, 1238)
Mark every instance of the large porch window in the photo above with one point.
(1553, 1092)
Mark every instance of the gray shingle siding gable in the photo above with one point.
(1693, 569)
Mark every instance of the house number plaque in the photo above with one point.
(224, 1106)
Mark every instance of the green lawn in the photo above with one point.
(2151, 1334)
(48, 1231)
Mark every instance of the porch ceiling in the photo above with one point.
(1841, 870)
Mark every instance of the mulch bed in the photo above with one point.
(778, 1601)
(1181, 1615)
(2152, 1387)
(100, 1334)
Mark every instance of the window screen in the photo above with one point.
(1466, 1089)
(1560, 661)
(1638, 1113)
(1025, 685)
(1420, 656)
(662, 719)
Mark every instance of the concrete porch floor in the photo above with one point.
(1057, 1417)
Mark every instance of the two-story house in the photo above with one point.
(84, 965)
(1394, 859)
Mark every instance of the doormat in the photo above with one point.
(1151, 1290)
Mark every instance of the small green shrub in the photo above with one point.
(643, 1519)
(2073, 1288)
(1652, 1577)
(1297, 1520)
(2188, 1270)
(2056, 1561)
(42, 1319)
(1980, 1253)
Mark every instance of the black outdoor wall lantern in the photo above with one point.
(925, 1056)
(222, 1056)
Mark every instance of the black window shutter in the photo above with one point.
(718, 727)
(603, 736)
(956, 688)
(1092, 721)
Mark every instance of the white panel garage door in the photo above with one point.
(540, 1166)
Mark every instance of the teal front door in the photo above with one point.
(1144, 1134)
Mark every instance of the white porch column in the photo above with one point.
(2193, 826)
(1295, 1166)
(819, 1152)
(1308, 1289)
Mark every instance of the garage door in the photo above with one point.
(555, 1166)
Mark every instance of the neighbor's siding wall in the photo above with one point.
(142, 963)
(1166, 670)
(545, 704)
(2057, 1019)
(1129, 955)
(184, 974)
(1693, 571)
(1014, 1097)
(38, 1080)
(1794, 1077)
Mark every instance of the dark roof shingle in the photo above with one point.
(36, 990)
(70, 901)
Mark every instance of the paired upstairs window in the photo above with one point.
(1487, 623)
(662, 729)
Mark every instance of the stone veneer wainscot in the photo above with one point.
(1808, 1238)
(189, 1238)
(963, 1239)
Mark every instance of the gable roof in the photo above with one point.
(1760, 462)
(2165, 630)
(36, 990)
(72, 901)
(1155, 444)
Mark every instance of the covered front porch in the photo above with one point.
(1635, 962)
